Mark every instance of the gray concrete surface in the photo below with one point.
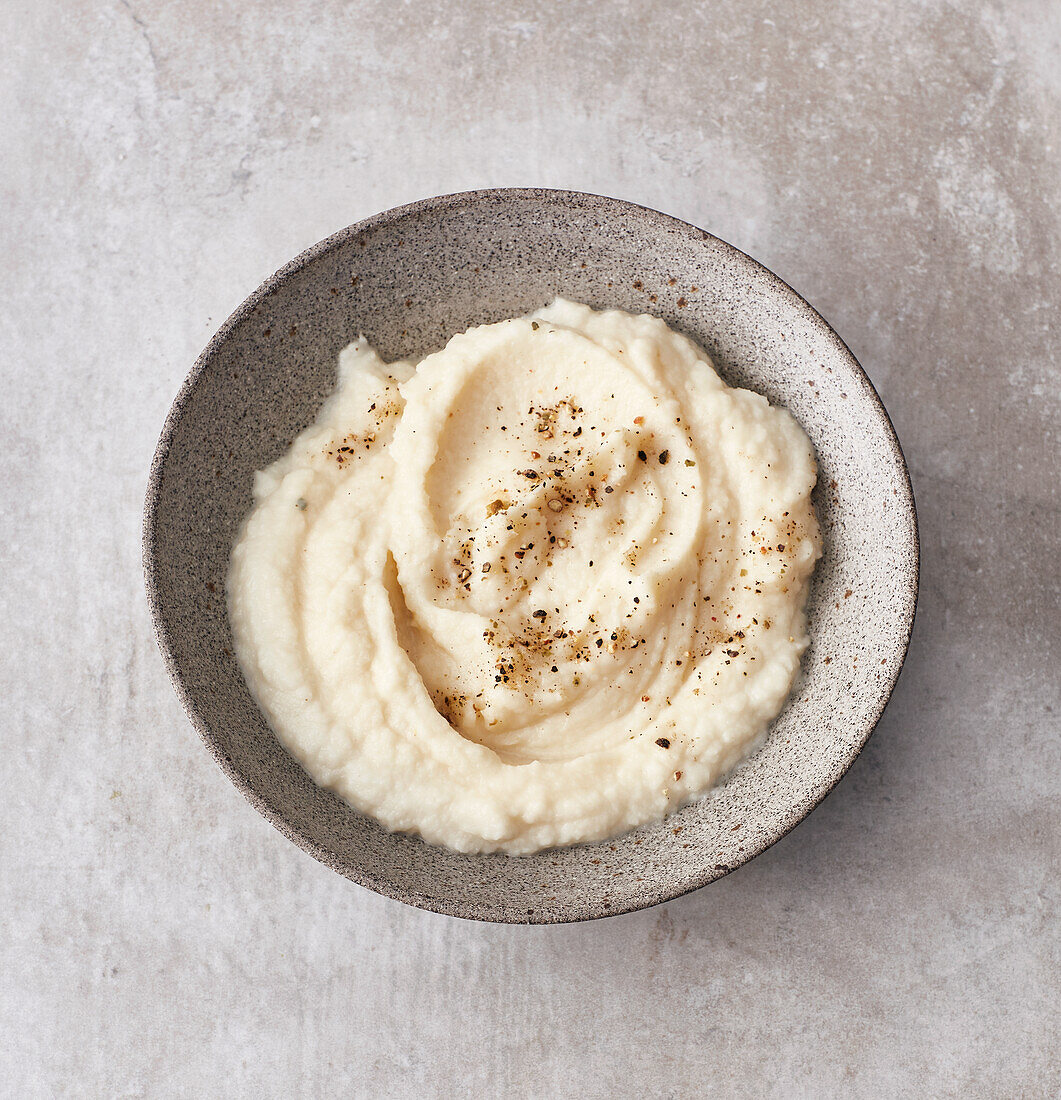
(900, 164)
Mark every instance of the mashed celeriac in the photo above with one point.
(541, 587)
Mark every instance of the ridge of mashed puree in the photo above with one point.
(542, 587)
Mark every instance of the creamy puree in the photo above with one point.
(539, 588)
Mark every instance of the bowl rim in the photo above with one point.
(906, 602)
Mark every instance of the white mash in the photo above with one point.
(543, 586)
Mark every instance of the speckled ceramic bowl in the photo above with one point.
(411, 278)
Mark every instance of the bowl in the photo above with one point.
(410, 278)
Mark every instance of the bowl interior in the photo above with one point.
(408, 280)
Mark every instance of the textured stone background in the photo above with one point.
(897, 162)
